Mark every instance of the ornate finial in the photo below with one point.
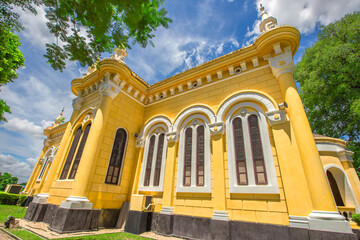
(120, 54)
(267, 22)
(262, 8)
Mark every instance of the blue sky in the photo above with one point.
(201, 30)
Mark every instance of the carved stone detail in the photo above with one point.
(282, 64)
(172, 136)
(109, 88)
(275, 117)
(216, 128)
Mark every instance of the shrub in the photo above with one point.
(356, 218)
(11, 199)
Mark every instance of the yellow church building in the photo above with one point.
(220, 151)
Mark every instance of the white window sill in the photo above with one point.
(257, 189)
(193, 189)
(150, 189)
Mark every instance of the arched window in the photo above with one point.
(153, 166)
(46, 161)
(79, 152)
(117, 157)
(250, 161)
(71, 153)
(77, 149)
(194, 156)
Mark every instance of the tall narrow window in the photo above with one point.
(159, 156)
(149, 161)
(187, 157)
(71, 153)
(117, 157)
(250, 159)
(257, 150)
(79, 152)
(194, 156)
(200, 151)
(153, 165)
(241, 172)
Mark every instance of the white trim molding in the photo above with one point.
(321, 220)
(74, 202)
(245, 96)
(220, 215)
(240, 111)
(199, 109)
(156, 120)
(196, 121)
(155, 131)
(340, 150)
(167, 210)
(41, 198)
(328, 221)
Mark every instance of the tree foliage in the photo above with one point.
(6, 179)
(84, 29)
(329, 77)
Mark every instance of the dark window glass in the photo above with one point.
(149, 161)
(257, 150)
(200, 156)
(240, 159)
(159, 156)
(79, 153)
(71, 153)
(187, 157)
(117, 157)
(335, 189)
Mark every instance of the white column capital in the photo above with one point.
(282, 64)
(77, 103)
(109, 88)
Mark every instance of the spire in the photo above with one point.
(267, 22)
(59, 119)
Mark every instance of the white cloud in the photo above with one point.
(36, 31)
(20, 169)
(25, 127)
(304, 14)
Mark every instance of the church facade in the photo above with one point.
(222, 150)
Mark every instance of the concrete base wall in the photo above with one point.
(206, 228)
(65, 220)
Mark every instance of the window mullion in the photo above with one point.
(248, 153)
(193, 158)
(153, 163)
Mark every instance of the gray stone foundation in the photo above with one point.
(36, 212)
(64, 220)
(206, 228)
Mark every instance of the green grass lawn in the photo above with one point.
(6, 210)
(19, 212)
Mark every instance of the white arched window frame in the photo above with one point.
(46, 160)
(51, 161)
(271, 186)
(156, 132)
(195, 121)
(344, 185)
